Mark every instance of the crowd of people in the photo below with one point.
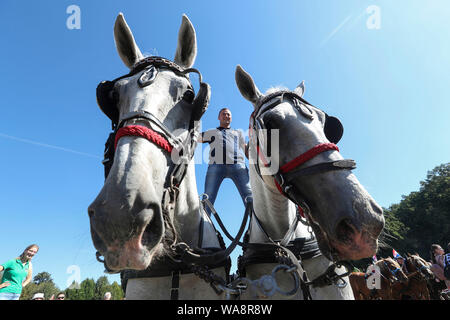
(62, 296)
(18, 272)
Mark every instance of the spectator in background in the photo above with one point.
(107, 296)
(38, 296)
(61, 296)
(17, 273)
(446, 261)
(437, 261)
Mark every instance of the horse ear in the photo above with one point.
(246, 85)
(126, 46)
(187, 44)
(300, 90)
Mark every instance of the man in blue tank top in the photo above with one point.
(226, 158)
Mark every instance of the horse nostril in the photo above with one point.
(91, 213)
(345, 230)
(376, 208)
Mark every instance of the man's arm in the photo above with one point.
(205, 137)
(242, 144)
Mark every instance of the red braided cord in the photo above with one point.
(143, 132)
(308, 155)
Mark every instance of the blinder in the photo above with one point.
(107, 101)
(333, 129)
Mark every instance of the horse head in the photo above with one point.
(416, 263)
(392, 270)
(344, 217)
(153, 109)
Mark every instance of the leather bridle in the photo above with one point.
(294, 169)
(186, 258)
(285, 175)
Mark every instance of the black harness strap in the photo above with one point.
(174, 290)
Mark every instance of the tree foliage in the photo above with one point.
(425, 215)
(42, 283)
(89, 289)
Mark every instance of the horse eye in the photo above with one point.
(189, 96)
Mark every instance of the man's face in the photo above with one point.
(225, 118)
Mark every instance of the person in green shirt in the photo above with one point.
(17, 273)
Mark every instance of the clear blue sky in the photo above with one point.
(389, 86)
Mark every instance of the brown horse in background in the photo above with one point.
(391, 273)
(418, 272)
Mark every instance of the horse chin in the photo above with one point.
(132, 256)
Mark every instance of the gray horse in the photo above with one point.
(345, 219)
(146, 205)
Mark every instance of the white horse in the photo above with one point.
(345, 219)
(149, 203)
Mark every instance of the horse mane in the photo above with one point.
(275, 89)
(391, 260)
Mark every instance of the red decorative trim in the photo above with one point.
(308, 155)
(144, 132)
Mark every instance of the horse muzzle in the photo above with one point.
(124, 239)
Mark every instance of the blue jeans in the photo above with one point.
(9, 296)
(236, 172)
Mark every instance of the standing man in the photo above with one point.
(226, 158)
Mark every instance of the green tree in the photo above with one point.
(73, 292)
(87, 289)
(42, 277)
(101, 287)
(116, 291)
(425, 214)
(42, 282)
